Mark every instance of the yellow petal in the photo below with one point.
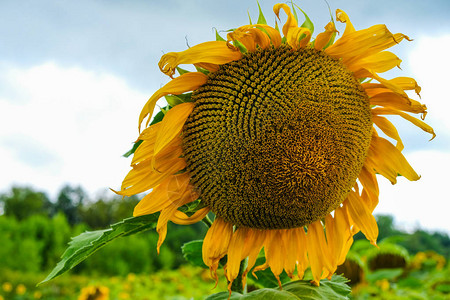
(274, 35)
(214, 52)
(162, 233)
(333, 239)
(406, 83)
(318, 255)
(172, 124)
(388, 111)
(184, 83)
(160, 197)
(396, 39)
(388, 161)
(181, 218)
(342, 17)
(149, 133)
(388, 83)
(250, 36)
(344, 238)
(389, 129)
(298, 37)
(387, 98)
(323, 38)
(370, 185)
(358, 42)
(169, 154)
(235, 250)
(215, 244)
(143, 152)
(299, 237)
(292, 248)
(140, 182)
(178, 198)
(252, 247)
(379, 62)
(291, 23)
(275, 251)
(362, 216)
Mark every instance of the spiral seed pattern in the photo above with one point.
(277, 139)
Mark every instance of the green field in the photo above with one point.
(33, 238)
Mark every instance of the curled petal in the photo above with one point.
(415, 121)
(215, 52)
(387, 98)
(299, 37)
(406, 83)
(342, 17)
(324, 38)
(291, 23)
(181, 218)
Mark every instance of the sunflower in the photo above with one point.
(275, 135)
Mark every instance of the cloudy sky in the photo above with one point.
(75, 74)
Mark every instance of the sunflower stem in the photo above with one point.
(237, 286)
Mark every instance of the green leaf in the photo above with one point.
(85, 244)
(307, 23)
(261, 18)
(263, 294)
(133, 149)
(336, 288)
(160, 115)
(218, 37)
(192, 252)
(240, 46)
(294, 12)
(201, 70)
(173, 100)
(182, 71)
(224, 296)
(266, 278)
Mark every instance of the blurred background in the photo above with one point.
(73, 79)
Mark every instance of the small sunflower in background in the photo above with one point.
(94, 293)
(275, 134)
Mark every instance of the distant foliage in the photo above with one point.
(23, 202)
(35, 231)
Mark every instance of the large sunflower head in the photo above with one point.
(275, 135)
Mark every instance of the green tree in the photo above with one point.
(69, 202)
(23, 202)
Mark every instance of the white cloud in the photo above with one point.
(423, 203)
(430, 62)
(427, 201)
(85, 119)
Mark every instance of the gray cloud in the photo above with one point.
(128, 38)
